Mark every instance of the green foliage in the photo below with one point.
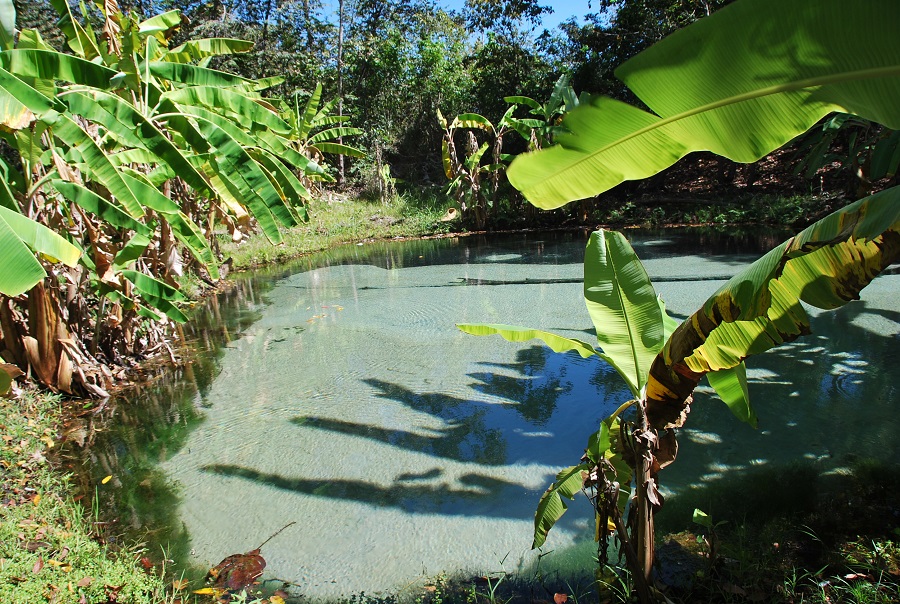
(782, 79)
(140, 152)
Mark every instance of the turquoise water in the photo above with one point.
(341, 397)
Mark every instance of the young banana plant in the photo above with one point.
(632, 327)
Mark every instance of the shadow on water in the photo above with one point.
(404, 494)
(535, 390)
(459, 441)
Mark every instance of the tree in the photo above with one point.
(620, 30)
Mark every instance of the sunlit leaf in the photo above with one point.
(731, 386)
(194, 50)
(624, 307)
(826, 265)
(522, 334)
(762, 72)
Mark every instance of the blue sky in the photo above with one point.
(562, 10)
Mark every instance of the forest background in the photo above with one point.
(395, 64)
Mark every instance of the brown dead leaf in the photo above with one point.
(560, 598)
(238, 570)
(179, 584)
(38, 565)
(85, 582)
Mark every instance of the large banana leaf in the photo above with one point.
(100, 207)
(760, 72)
(551, 507)
(826, 265)
(15, 89)
(120, 117)
(159, 23)
(246, 174)
(52, 65)
(19, 235)
(192, 75)
(627, 314)
(95, 161)
(230, 103)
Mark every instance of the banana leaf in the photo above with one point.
(826, 265)
(333, 133)
(157, 294)
(19, 235)
(103, 209)
(230, 103)
(51, 65)
(118, 116)
(756, 88)
(194, 50)
(159, 23)
(627, 314)
(95, 161)
(184, 229)
(191, 75)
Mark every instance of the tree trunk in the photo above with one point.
(340, 70)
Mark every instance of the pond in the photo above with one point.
(337, 394)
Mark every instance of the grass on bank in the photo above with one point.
(417, 212)
(337, 219)
(48, 549)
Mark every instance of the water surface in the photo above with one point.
(342, 397)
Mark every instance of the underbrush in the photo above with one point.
(337, 219)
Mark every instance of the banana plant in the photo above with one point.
(540, 131)
(765, 72)
(631, 326)
(464, 168)
(315, 131)
(132, 153)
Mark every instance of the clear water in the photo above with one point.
(342, 397)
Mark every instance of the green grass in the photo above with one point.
(335, 220)
(48, 549)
